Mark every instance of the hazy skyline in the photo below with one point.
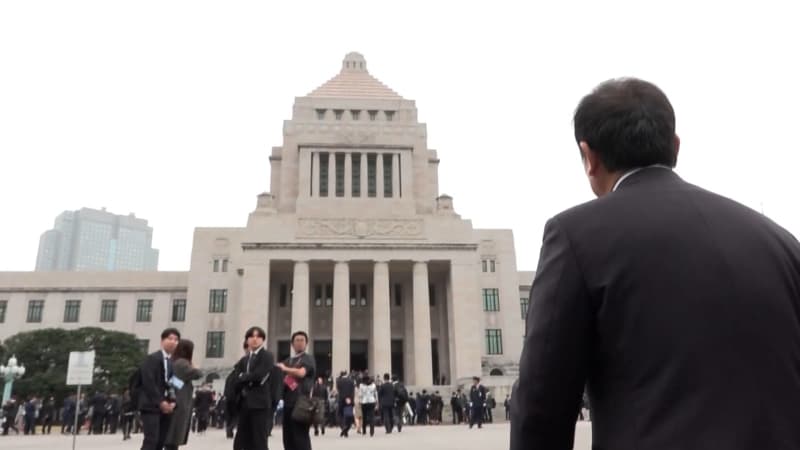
(170, 110)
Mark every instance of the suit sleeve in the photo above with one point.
(555, 354)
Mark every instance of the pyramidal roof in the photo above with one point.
(354, 82)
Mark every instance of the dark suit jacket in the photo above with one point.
(386, 395)
(345, 387)
(254, 383)
(154, 385)
(477, 396)
(679, 308)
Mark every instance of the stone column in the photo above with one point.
(348, 175)
(341, 318)
(379, 175)
(315, 174)
(300, 297)
(364, 181)
(331, 174)
(465, 327)
(423, 358)
(396, 175)
(381, 356)
(254, 301)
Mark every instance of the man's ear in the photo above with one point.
(591, 160)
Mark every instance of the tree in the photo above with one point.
(45, 354)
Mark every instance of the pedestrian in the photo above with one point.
(477, 401)
(299, 372)
(184, 373)
(507, 406)
(321, 394)
(254, 389)
(48, 414)
(30, 416)
(369, 397)
(156, 395)
(128, 411)
(347, 417)
(387, 398)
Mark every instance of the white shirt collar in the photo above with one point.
(166, 355)
(255, 352)
(633, 171)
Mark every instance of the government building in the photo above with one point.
(353, 243)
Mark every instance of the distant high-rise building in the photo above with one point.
(96, 240)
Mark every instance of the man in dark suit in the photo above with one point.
(154, 400)
(387, 399)
(345, 388)
(98, 403)
(256, 396)
(678, 308)
(477, 402)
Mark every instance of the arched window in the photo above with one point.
(496, 373)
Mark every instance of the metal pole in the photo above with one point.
(77, 409)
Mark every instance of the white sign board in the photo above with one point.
(81, 368)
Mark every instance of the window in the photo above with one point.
(491, 300)
(432, 294)
(496, 373)
(398, 295)
(328, 295)
(337, 114)
(371, 182)
(35, 308)
(373, 114)
(3, 307)
(356, 174)
(215, 344)
(494, 342)
(225, 265)
(323, 174)
(144, 310)
(523, 306)
(320, 114)
(179, 310)
(221, 265)
(318, 295)
(387, 174)
(216, 265)
(491, 265)
(217, 300)
(339, 174)
(353, 295)
(144, 345)
(108, 311)
(354, 113)
(389, 115)
(282, 298)
(488, 265)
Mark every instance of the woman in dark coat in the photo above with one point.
(183, 369)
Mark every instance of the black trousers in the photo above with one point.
(155, 426)
(47, 425)
(127, 424)
(387, 412)
(295, 434)
(251, 431)
(97, 424)
(476, 416)
(399, 410)
(368, 409)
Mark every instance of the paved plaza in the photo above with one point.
(430, 438)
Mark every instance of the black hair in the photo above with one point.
(184, 350)
(170, 332)
(629, 122)
(255, 330)
(386, 377)
(300, 333)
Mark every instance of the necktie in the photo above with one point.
(249, 358)
(166, 369)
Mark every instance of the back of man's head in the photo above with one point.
(629, 123)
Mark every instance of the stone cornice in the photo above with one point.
(356, 246)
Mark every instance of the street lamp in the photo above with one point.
(10, 373)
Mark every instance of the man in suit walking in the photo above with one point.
(257, 399)
(387, 399)
(477, 402)
(669, 302)
(154, 400)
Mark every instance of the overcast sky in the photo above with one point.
(170, 109)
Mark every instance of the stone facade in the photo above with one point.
(353, 244)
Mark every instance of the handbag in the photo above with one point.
(305, 410)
